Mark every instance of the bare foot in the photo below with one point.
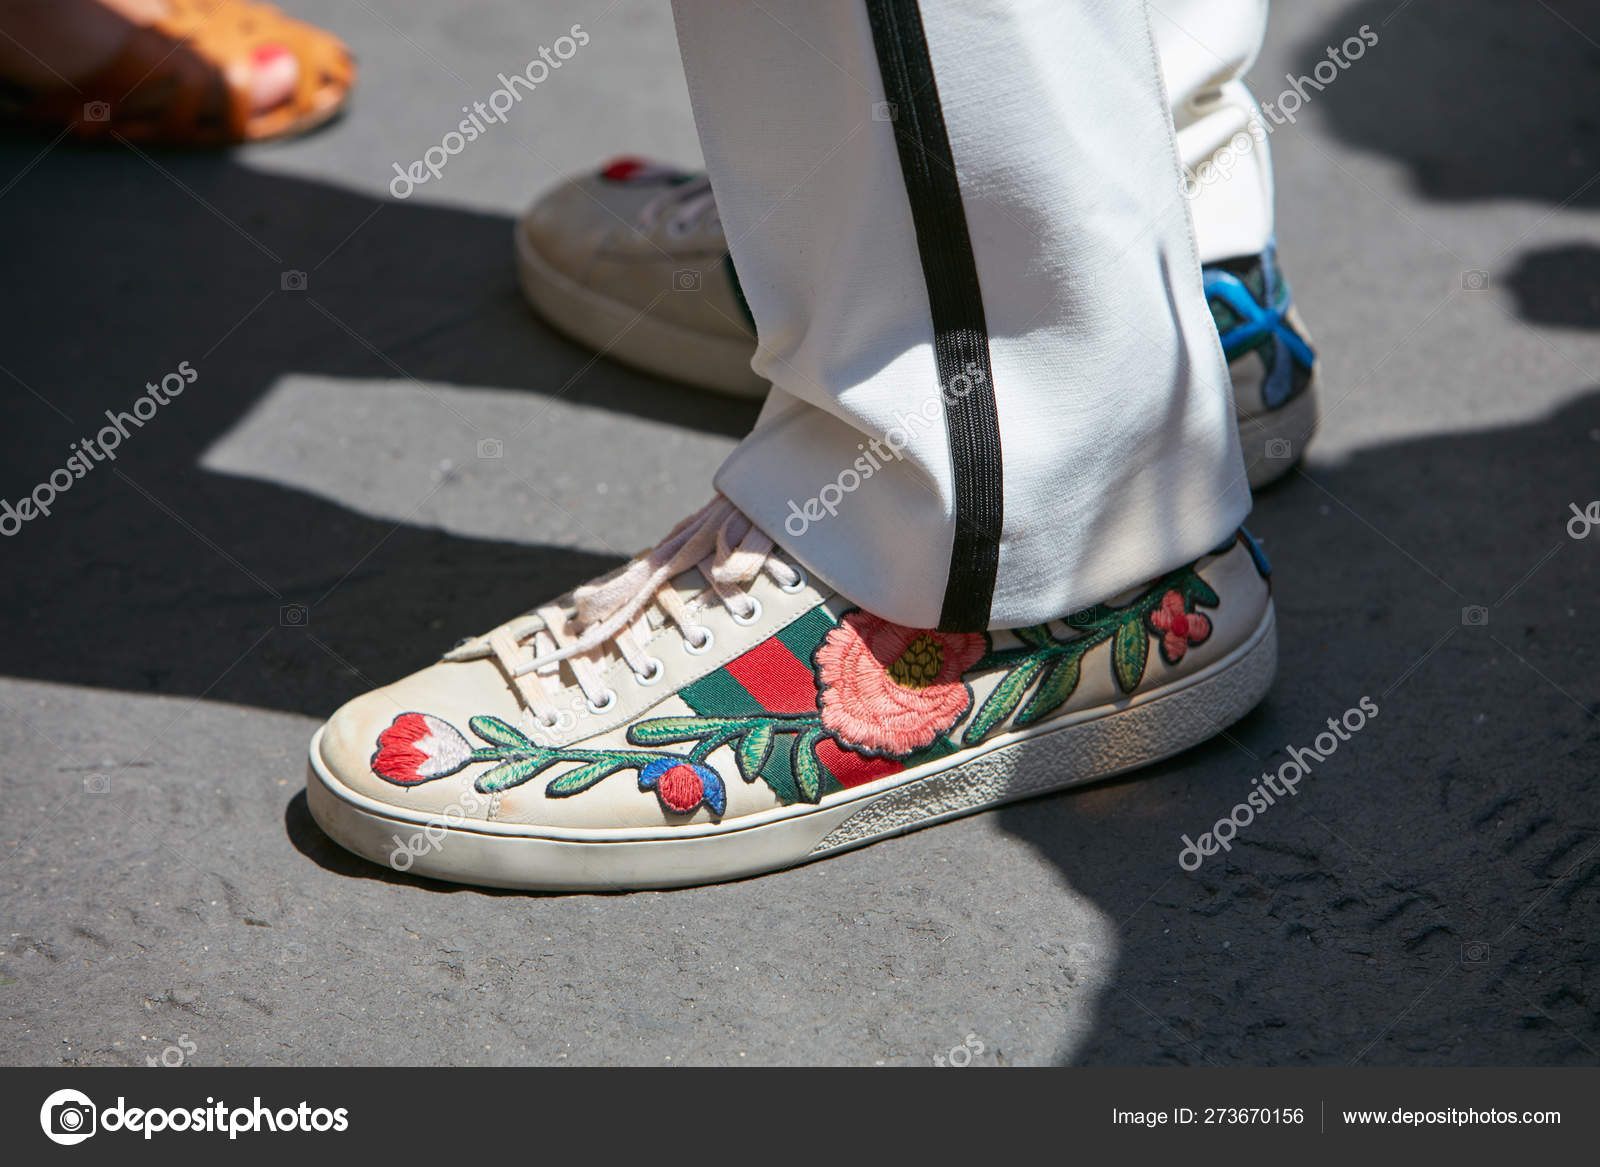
(48, 44)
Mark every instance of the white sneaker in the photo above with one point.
(707, 712)
(631, 261)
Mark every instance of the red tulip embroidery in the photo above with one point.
(1177, 628)
(893, 689)
(419, 747)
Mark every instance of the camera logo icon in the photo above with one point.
(491, 448)
(885, 111)
(1280, 449)
(293, 280)
(96, 784)
(97, 111)
(1475, 952)
(68, 1117)
(1475, 616)
(1476, 280)
(686, 280)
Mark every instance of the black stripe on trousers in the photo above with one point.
(960, 333)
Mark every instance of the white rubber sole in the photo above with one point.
(1075, 750)
(622, 333)
(1274, 442)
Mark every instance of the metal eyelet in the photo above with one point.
(605, 704)
(657, 670)
(799, 583)
(707, 639)
(559, 724)
(752, 614)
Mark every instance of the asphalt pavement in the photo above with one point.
(312, 518)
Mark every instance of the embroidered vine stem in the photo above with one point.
(1046, 670)
(752, 739)
(521, 758)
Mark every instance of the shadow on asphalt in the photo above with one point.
(1557, 287)
(1478, 101)
(1457, 822)
(160, 573)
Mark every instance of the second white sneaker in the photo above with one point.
(631, 261)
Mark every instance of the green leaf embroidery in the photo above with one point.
(574, 781)
(492, 729)
(999, 704)
(1054, 688)
(1036, 637)
(664, 730)
(753, 751)
(807, 770)
(509, 774)
(1129, 652)
(1199, 592)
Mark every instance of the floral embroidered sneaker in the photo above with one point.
(708, 712)
(631, 261)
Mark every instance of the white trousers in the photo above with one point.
(962, 230)
(1205, 47)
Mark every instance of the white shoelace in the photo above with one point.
(685, 207)
(719, 540)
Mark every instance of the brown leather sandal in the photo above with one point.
(184, 80)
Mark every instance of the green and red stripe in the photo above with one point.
(776, 678)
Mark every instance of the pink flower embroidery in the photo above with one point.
(893, 689)
(419, 747)
(1177, 628)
